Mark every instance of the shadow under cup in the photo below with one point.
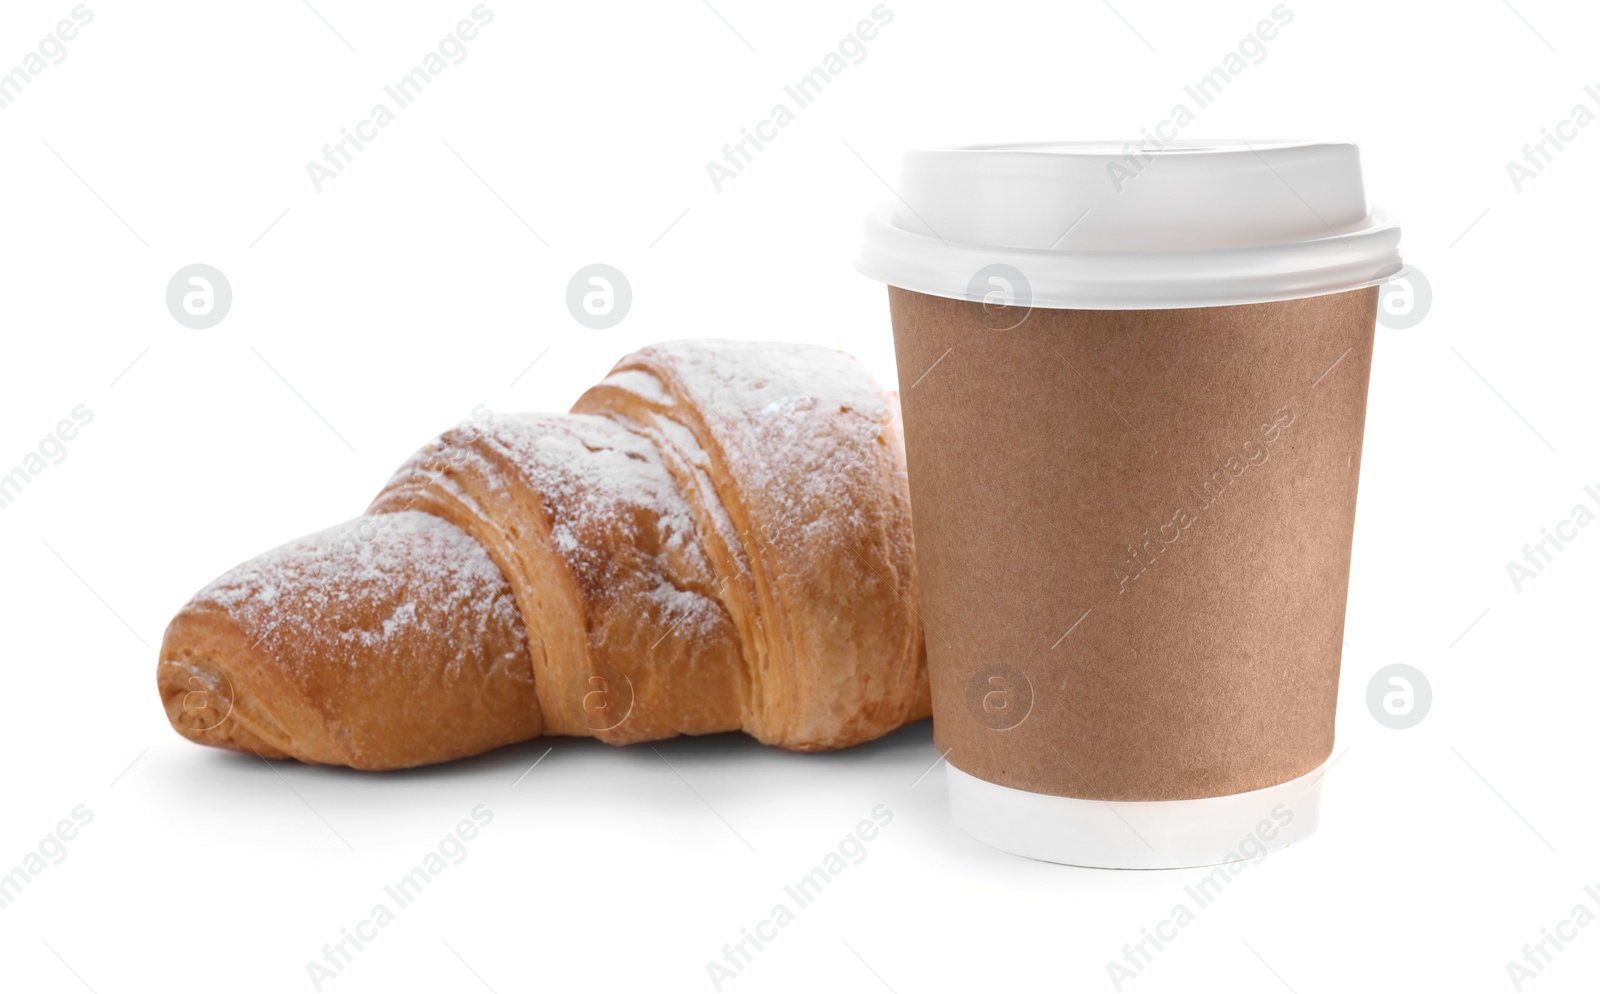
(1133, 531)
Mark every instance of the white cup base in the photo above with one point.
(1136, 835)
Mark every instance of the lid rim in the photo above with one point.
(1197, 223)
(1131, 280)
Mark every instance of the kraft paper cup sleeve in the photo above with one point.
(1134, 532)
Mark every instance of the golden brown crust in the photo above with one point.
(717, 538)
(381, 643)
(807, 516)
(629, 640)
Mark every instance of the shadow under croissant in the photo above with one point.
(907, 748)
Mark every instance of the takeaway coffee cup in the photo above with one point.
(1134, 388)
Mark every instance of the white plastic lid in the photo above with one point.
(1101, 226)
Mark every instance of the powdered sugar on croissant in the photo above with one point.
(717, 538)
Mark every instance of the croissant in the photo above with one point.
(717, 538)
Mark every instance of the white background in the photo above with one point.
(383, 309)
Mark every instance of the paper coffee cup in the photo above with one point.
(1134, 389)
